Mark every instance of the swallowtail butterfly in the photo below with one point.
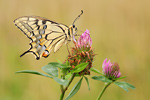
(45, 34)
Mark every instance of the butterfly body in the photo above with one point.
(44, 34)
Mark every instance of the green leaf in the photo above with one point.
(79, 68)
(67, 63)
(87, 81)
(51, 69)
(102, 78)
(74, 89)
(58, 61)
(63, 66)
(68, 76)
(60, 65)
(56, 64)
(95, 70)
(121, 77)
(64, 71)
(130, 86)
(33, 72)
(124, 85)
(61, 81)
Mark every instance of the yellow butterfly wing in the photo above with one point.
(43, 33)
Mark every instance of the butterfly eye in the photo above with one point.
(73, 26)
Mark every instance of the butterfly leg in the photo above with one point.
(68, 49)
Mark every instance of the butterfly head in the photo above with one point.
(73, 28)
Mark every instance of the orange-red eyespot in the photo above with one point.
(45, 54)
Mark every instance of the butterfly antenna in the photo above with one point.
(77, 17)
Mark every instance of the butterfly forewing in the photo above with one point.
(44, 34)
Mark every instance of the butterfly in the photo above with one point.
(45, 34)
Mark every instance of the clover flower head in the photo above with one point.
(111, 70)
(82, 53)
(84, 40)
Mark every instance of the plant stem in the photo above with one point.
(63, 90)
(62, 95)
(100, 95)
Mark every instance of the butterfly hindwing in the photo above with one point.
(43, 33)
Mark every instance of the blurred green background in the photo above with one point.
(120, 30)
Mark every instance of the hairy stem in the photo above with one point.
(63, 90)
(100, 95)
